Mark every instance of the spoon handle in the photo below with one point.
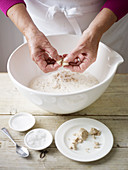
(5, 131)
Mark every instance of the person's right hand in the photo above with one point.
(39, 46)
(40, 50)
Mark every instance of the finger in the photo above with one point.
(39, 58)
(81, 67)
(41, 63)
(82, 56)
(53, 53)
(45, 56)
(69, 67)
(51, 68)
(85, 64)
(74, 68)
(71, 57)
(76, 62)
(64, 55)
(56, 66)
(50, 61)
(47, 64)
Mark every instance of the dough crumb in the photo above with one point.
(94, 137)
(87, 149)
(81, 136)
(97, 145)
(75, 134)
(80, 140)
(94, 131)
(60, 62)
(73, 146)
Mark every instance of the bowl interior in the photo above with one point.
(23, 69)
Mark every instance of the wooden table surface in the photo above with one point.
(111, 109)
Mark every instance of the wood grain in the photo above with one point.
(116, 160)
(54, 159)
(111, 109)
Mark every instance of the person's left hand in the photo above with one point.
(84, 54)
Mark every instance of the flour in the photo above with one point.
(63, 81)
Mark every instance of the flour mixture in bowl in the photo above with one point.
(63, 81)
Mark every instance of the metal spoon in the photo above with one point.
(22, 151)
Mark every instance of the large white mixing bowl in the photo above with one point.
(22, 70)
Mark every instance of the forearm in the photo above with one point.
(20, 17)
(119, 7)
(111, 12)
(102, 22)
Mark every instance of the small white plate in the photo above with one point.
(86, 151)
(38, 139)
(22, 121)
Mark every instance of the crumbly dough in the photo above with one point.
(82, 136)
(60, 62)
(73, 146)
(65, 64)
(94, 137)
(97, 145)
(95, 132)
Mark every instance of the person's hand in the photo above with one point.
(40, 50)
(39, 46)
(80, 58)
(84, 54)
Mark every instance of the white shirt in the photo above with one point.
(73, 17)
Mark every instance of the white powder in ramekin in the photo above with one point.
(36, 139)
(63, 81)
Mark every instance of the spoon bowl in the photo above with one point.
(22, 151)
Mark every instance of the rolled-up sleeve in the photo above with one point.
(6, 4)
(118, 7)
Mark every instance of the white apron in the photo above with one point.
(73, 17)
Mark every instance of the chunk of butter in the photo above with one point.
(59, 62)
(65, 64)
